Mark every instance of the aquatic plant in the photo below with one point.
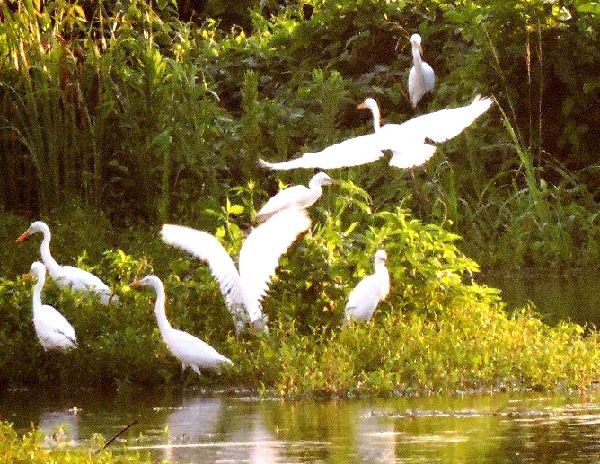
(31, 447)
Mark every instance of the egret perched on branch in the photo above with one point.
(411, 143)
(421, 77)
(298, 197)
(68, 276)
(365, 297)
(190, 350)
(52, 329)
(243, 291)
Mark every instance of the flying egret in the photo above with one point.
(51, 327)
(411, 143)
(298, 197)
(243, 291)
(365, 297)
(421, 77)
(68, 276)
(189, 350)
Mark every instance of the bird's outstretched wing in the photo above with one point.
(206, 247)
(261, 251)
(351, 152)
(409, 140)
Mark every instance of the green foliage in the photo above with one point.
(437, 331)
(31, 448)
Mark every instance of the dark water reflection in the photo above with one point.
(476, 429)
(575, 297)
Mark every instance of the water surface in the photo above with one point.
(499, 428)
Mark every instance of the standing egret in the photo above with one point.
(189, 350)
(68, 276)
(51, 327)
(243, 291)
(365, 297)
(298, 197)
(411, 143)
(421, 77)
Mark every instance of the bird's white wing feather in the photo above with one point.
(363, 299)
(190, 349)
(52, 326)
(408, 140)
(418, 85)
(261, 251)
(78, 279)
(206, 247)
(297, 196)
(439, 126)
(352, 152)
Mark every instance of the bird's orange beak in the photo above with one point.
(24, 236)
(362, 106)
(26, 277)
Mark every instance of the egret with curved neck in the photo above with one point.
(52, 329)
(421, 78)
(67, 276)
(189, 350)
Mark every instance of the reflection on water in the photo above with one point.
(475, 429)
(575, 298)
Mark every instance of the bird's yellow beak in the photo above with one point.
(137, 283)
(27, 277)
(24, 236)
(362, 106)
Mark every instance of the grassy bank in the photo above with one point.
(438, 330)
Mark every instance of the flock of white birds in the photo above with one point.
(280, 221)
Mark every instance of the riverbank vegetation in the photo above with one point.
(438, 330)
(32, 447)
(117, 118)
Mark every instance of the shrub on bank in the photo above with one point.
(438, 330)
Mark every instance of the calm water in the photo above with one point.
(501, 428)
(575, 298)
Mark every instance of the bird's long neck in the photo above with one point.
(417, 62)
(159, 308)
(47, 258)
(383, 276)
(316, 188)
(376, 118)
(37, 292)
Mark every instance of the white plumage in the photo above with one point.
(298, 196)
(365, 297)
(68, 276)
(51, 327)
(190, 350)
(243, 291)
(411, 142)
(421, 78)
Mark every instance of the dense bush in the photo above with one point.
(437, 331)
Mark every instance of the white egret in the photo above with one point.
(365, 297)
(298, 197)
(189, 350)
(421, 77)
(51, 327)
(411, 143)
(243, 291)
(68, 276)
